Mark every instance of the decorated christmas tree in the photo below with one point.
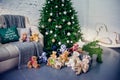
(59, 24)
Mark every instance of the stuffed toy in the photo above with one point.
(54, 61)
(73, 60)
(42, 58)
(78, 67)
(83, 66)
(64, 56)
(34, 37)
(53, 55)
(24, 37)
(76, 47)
(77, 64)
(63, 48)
(33, 63)
(85, 63)
(52, 58)
(58, 64)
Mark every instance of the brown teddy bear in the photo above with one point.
(54, 62)
(34, 37)
(51, 59)
(64, 57)
(33, 63)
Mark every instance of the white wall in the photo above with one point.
(29, 8)
(82, 6)
(105, 11)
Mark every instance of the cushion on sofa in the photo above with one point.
(23, 30)
(9, 34)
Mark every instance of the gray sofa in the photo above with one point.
(17, 53)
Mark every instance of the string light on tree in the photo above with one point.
(70, 10)
(63, 20)
(49, 20)
(65, 12)
(73, 22)
(51, 14)
(55, 35)
(48, 2)
(56, 6)
(56, 26)
(71, 41)
(69, 23)
(59, 43)
(60, 26)
(43, 26)
(68, 41)
(72, 17)
(60, 13)
(46, 33)
(51, 31)
(68, 34)
(62, 5)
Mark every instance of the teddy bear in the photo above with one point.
(54, 61)
(33, 63)
(83, 66)
(58, 64)
(73, 60)
(78, 65)
(34, 37)
(51, 59)
(85, 63)
(64, 57)
(76, 47)
(24, 37)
